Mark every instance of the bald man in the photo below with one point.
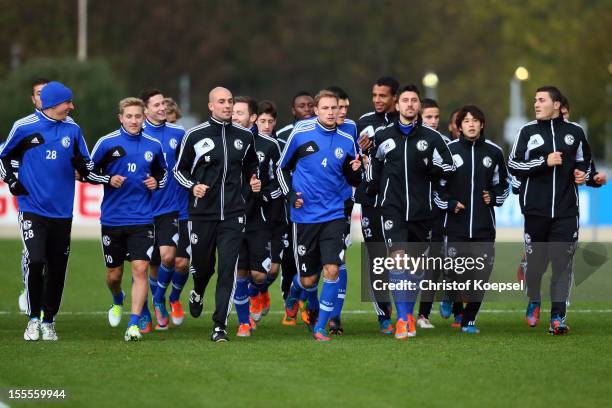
(216, 159)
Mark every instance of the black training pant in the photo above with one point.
(225, 237)
(474, 248)
(372, 233)
(46, 244)
(550, 240)
(288, 265)
(437, 249)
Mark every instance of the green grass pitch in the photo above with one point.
(508, 364)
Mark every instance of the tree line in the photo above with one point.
(271, 49)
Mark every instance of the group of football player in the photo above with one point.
(241, 197)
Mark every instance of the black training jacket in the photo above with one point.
(402, 169)
(480, 166)
(370, 122)
(267, 208)
(549, 191)
(222, 156)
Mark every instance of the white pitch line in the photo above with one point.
(355, 312)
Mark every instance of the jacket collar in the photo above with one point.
(217, 122)
(151, 124)
(128, 134)
(478, 141)
(555, 121)
(325, 129)
(388, 117)
(417, 124)
(45, 118)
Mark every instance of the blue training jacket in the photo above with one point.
(173, 197)
(45, 148)
(135, 157)
(349, 127)
(319, 161)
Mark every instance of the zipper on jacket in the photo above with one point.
(576, 194)
(406, 176)
(552, 129)
(377, 197)
(384, 193)
(472, 192)
(224, 171)
(195, 201)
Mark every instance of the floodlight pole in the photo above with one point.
(82, 35)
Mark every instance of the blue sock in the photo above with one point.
(412, 294)
(410, 307)
(118, 299)
(241, 300)
(295, 291)
(152, 285)
(400, 296)
(302, 295)
(133, 320)
(145, 309)
(178, 282)
(312, 297)
(342, 281)
(253, 289)
(402, 310)
(329, 296)
(164, 276)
